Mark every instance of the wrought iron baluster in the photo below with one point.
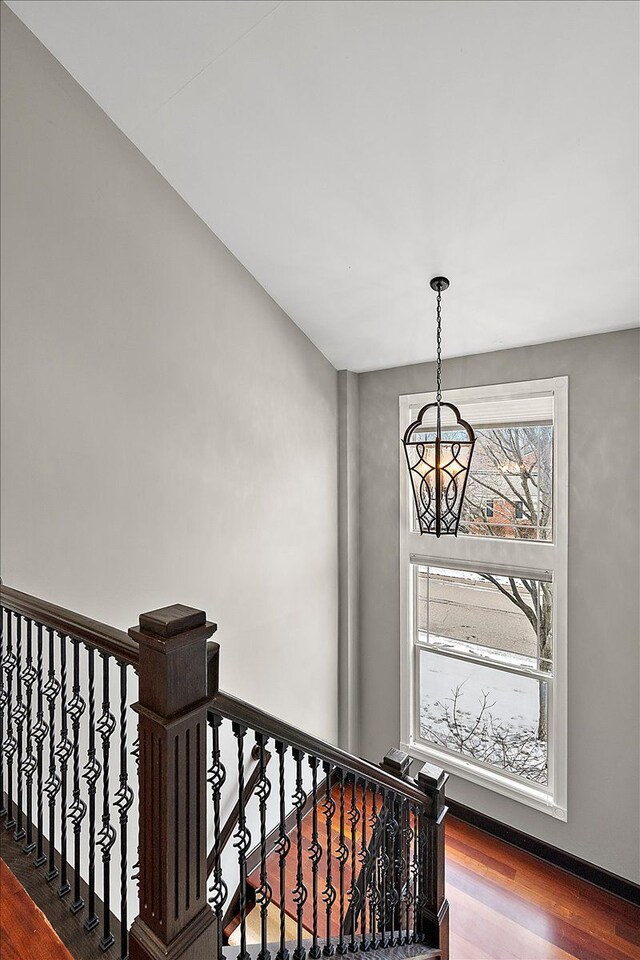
(264, 892)
(383, 864)
(329, 892)
(135, 753)
(393, 828)
(63, 752)
(19, 714)
(405, 870)
(372, 890)
(414, 873)
(282, 847)
(52, 785)
(10, 744)
(217, 777)
(39, 734)
(300, 891)
(421, 899)
(78, 807)
(30, 764)
(107, 836)
(354, 895)
(242, 841)
(315, 855)
(365, 866)
(91, 773)
(3, 703)
(342, 854)
(123, 801)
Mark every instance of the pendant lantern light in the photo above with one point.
(438, 447)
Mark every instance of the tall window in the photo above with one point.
(484, 614)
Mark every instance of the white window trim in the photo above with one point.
(539, 557)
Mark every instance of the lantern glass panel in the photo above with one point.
(439, 472)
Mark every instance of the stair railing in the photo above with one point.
(350, 853)
(360, 847)
(66, 737)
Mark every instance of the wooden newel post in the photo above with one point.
(434, 906)
(175, 920)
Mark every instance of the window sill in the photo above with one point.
(531, 796)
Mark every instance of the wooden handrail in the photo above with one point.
(234, 709)
(104, 638)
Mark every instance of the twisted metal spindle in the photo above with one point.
(365, 866)
(242, 841)
(383, 865)
(405, 859)
(421, 900)
(373, 890)
(63, 752)
(342, 854)
(315, 856)
(19, 714)
(30, 764)
(300, 890)
(135, 869)
(415, 871)
(216, 778)
(282, 847)
(107, 836)
(52, 784)
(10, 744)
(393, 892)
(329, 892)
(78, 807)
(264, 892)
(39, 734)
(123, 801)
(3, 703)
(91, 773)
(354, 897)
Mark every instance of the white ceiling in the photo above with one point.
(348, 151)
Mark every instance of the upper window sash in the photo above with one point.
(507, 551)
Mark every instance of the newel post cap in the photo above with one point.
(432, 779)
(175, 673)
(176, 620)
(397, 762)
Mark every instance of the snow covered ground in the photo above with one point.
(512, 705)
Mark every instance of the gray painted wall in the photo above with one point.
(604, 633)
(168, 434)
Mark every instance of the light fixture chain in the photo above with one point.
(439, 350)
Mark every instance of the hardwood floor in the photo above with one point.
(507, 905)
(25, 932)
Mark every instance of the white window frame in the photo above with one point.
(543, 558)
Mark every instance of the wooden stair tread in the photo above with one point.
(273, 870)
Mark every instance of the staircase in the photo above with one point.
(137, 788)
